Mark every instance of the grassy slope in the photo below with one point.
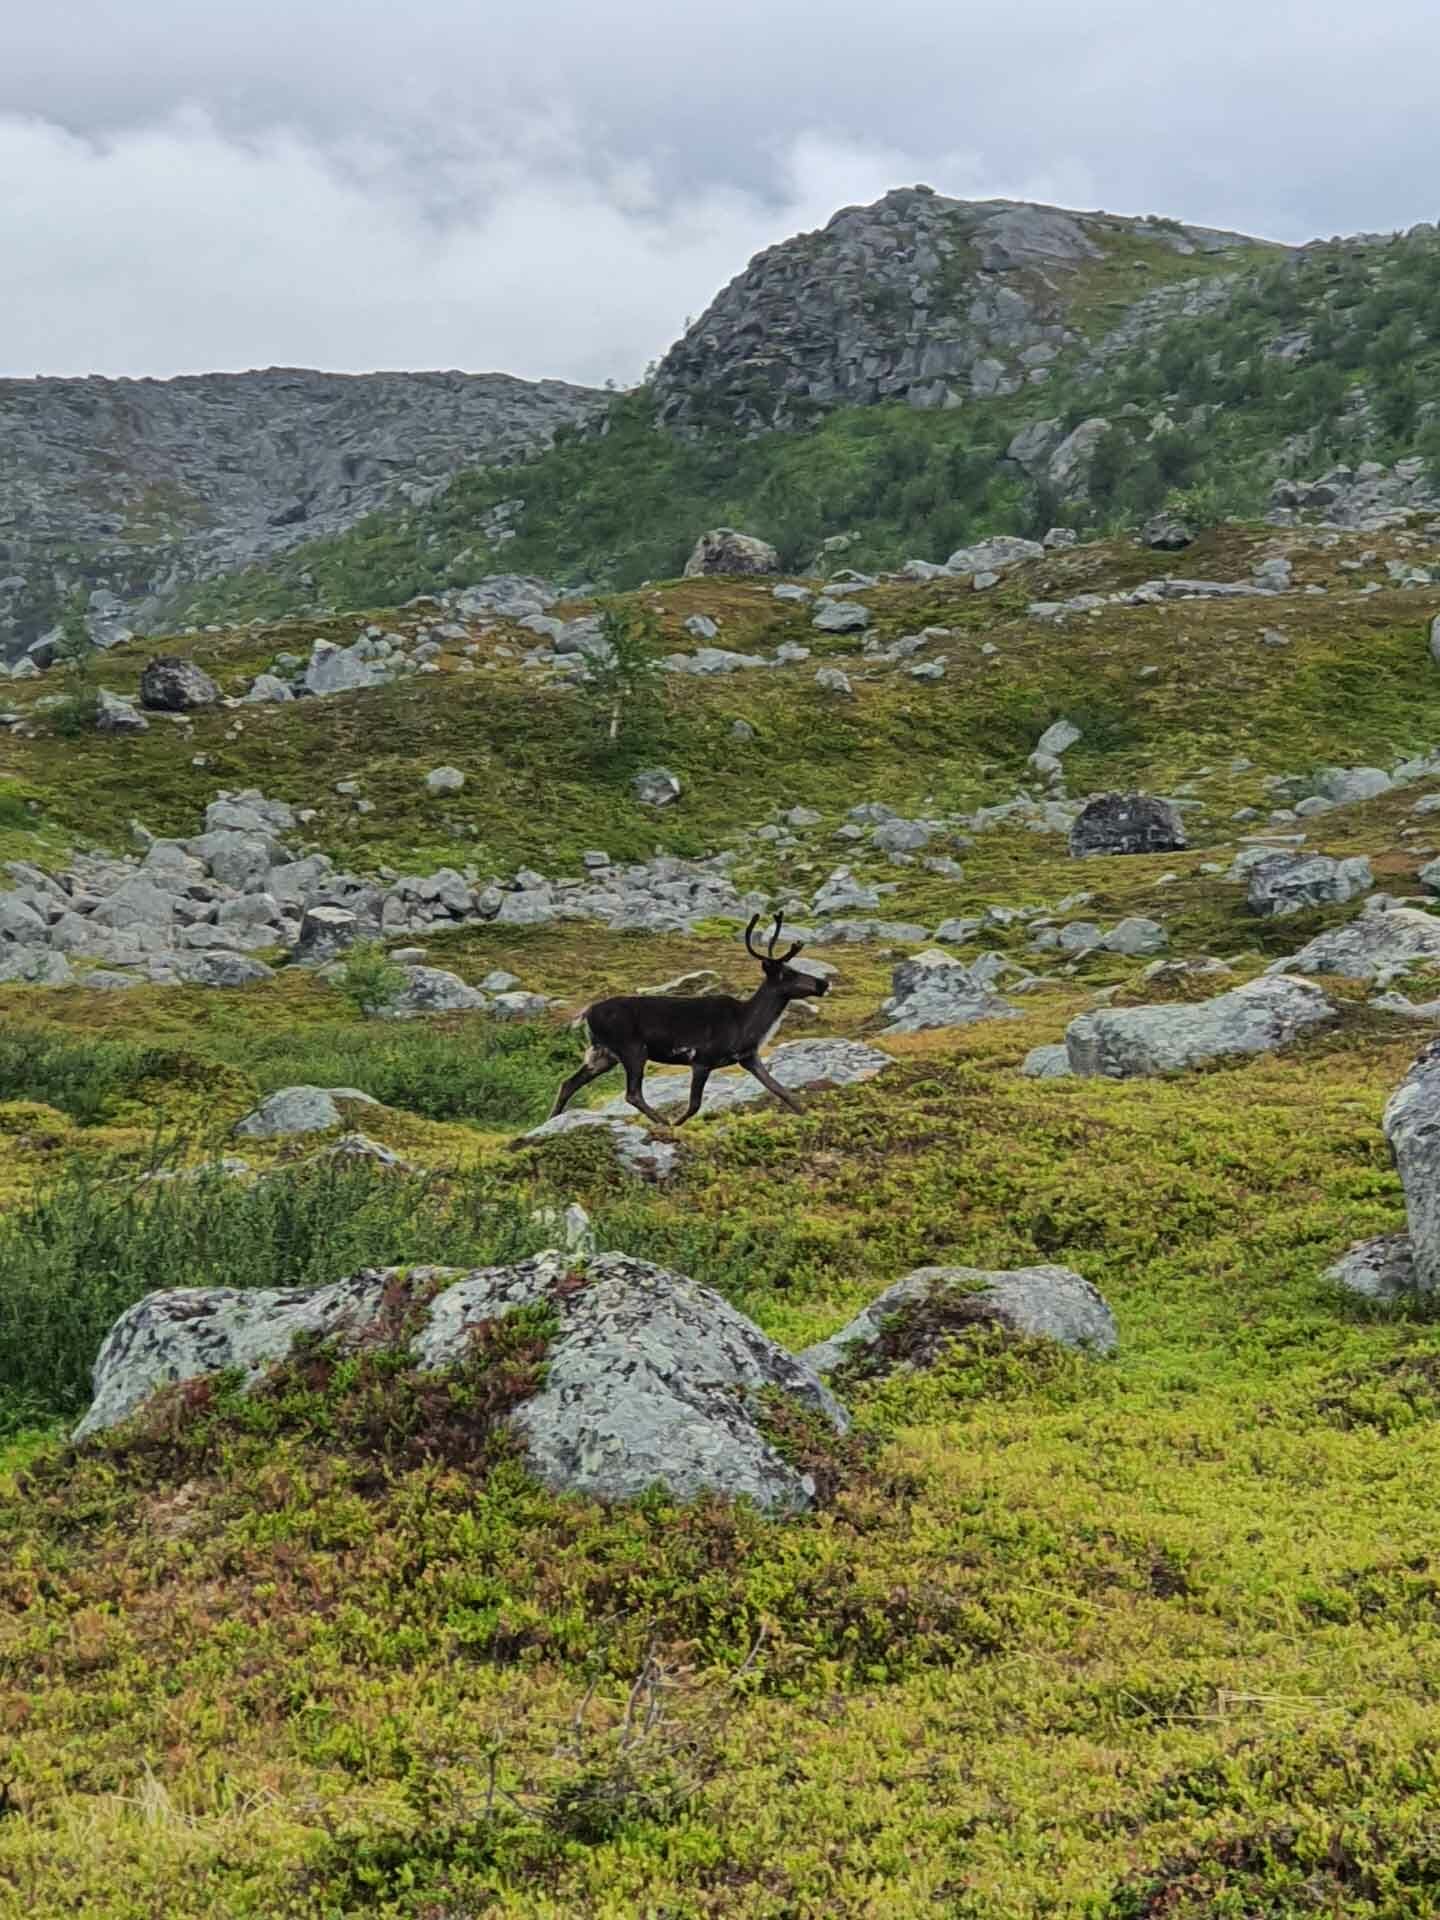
(1148, 1636)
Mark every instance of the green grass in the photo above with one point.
(96, 1240)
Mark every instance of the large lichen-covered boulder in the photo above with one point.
(910, 1322)
(1122, 1043)
(723, 550)
(1379, 940)
(1412, 1126)
(1127, 823)
(650, 1379)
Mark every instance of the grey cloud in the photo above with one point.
(551, 187)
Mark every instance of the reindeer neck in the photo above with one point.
(762, 1011)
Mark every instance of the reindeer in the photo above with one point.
(701, 1032)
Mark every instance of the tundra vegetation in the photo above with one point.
(1149, 1635)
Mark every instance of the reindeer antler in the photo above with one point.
(770, 953)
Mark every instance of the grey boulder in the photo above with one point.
(34, 967)
(292, 1110)
(1412, 1126)
(1287, 883)
(723, 550)
(1136, 935)
(1115, 823)
(267, 689)
(1261, 1017)
(1378, 1269)
(656, 787)
(333, 669)
(635, 1150)
(1047, 1063)
(993, 556)
(116, 715)
(1166, 533)
(934, 989)
(1046, 1303)
(169, 684)
(432, 990)
(840, 616)
(325, 932)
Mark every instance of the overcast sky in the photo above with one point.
(550, 187)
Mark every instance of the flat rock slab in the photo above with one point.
(651, 1380)
(1262, 1017)
(1048, 1303)
(799, 1065)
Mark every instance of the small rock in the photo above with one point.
(1043, 1303)
(723, 550)
(293, 1110)
(444, 780)
(1379, 1269)
(656, 787)
(1047, 1063)
(114, 715)
(840, 616)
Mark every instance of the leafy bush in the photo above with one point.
(368, 978)
(74, 713)
(482, 1071)
(84, 1078)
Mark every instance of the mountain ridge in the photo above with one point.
(916, 374)
(130, 487)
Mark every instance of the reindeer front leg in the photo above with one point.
(754, 1065)
(698, 1077)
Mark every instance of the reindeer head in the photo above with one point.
(790, 981)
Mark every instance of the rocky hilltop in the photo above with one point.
(923, 299)
(131, 487)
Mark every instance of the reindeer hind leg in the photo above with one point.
(597, 1060)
